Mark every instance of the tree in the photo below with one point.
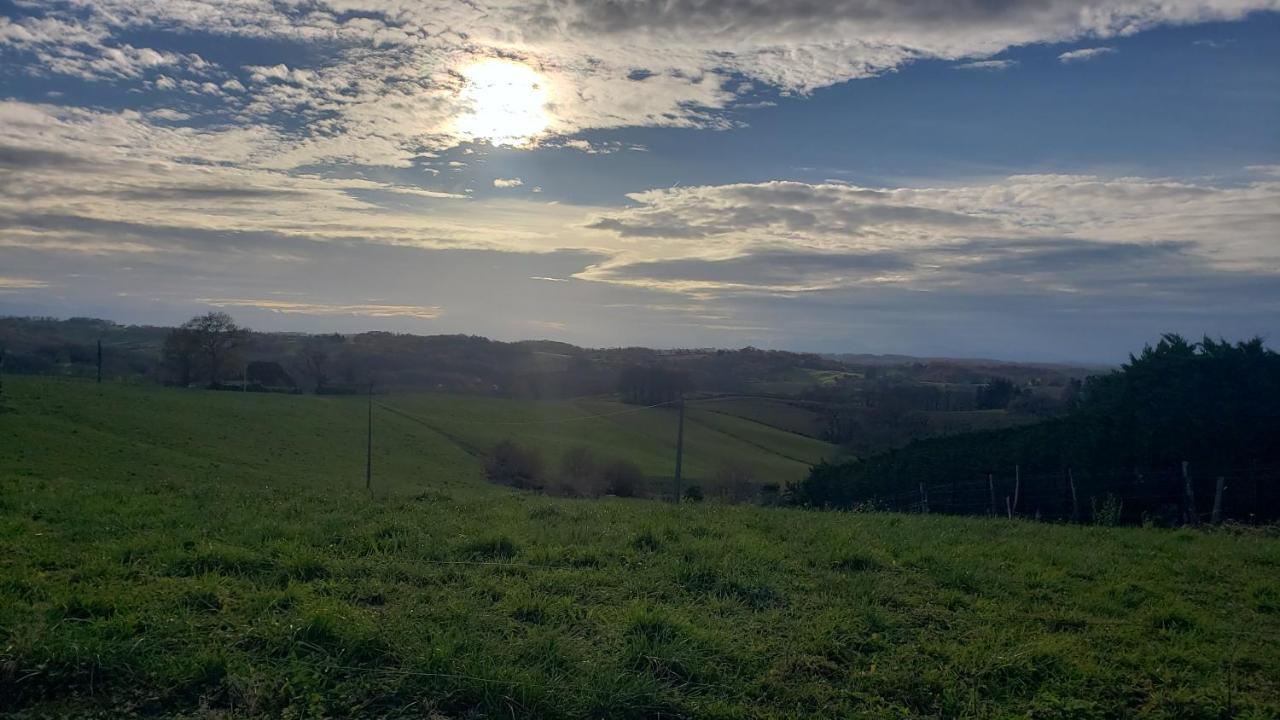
(315, 361)
(997, 394)
(652, 384)
(217, 335)
(180, 351)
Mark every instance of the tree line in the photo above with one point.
(1214, 405)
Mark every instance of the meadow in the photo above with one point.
(210, 554)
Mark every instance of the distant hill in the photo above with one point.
(864, 403)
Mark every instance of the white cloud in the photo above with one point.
(95, 181)
(373, 310)
(507, 182)
(986, 65)
(824, 236)
(17, 283)
(1084, 54)
(606, 65)
(168, 114)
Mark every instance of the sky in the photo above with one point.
(1021, 179)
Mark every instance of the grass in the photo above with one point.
(182, 553)
(645, 437)
(782, 414)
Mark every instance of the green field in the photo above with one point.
(615, 430)
(788, 415)
(187, 553)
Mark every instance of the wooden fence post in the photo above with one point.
(1075, 499)
(1192, 518)
(1217, 500)
(991, 485)
(924, 499)
(1017, 486)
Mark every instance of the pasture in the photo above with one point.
(213, 554)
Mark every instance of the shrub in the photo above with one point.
(579, 472)
(622, 478)
(693, 493)
(734, 482)
(770, 494)
(1108, 511)
(513, 465)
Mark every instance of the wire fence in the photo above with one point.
(1164, 496)
(1167, 496)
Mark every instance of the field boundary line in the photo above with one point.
(748, 441)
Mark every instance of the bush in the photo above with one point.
(734, 482)
(515, 466)
(579, 472)
(693, 493)
(622, 478)
(771, 494)
(1109, 511)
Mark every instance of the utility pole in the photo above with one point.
(679, 449)
(99, 360)
(368, 447)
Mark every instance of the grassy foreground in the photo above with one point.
(215, 555)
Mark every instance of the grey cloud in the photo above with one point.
(769, 267)
(199, 192)
(1062, 255)
(653, 227)
(19, 158)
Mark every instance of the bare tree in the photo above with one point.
(217, 335)
(315, 361)
(181, 350)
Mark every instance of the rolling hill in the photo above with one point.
(169, 553)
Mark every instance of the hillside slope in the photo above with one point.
(172, 553)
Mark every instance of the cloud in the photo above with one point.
(102, 181)
(373, 310)
(764, 269)
(329, 78)
(1085, 54)
(507, 182)
(17, 283)
(986, 65)
(792, 237)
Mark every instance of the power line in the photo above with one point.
(547, 421)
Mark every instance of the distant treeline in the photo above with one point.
(1211, 404)
(211, 350)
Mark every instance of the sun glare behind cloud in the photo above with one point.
(506, 103)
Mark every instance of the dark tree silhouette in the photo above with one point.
(181, 350)
(1213, 404)
(216, 335)
(996, 394)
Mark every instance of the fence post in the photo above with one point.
(991, 485)
(1192, 518)
(1217, 500)
(677, 481)
(1075, 499)
(924, 499)
(1017, 486)
(368, 446)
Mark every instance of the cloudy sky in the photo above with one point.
(1027, 179)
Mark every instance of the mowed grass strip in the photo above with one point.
(168, 552)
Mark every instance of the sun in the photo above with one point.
(505, 103)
